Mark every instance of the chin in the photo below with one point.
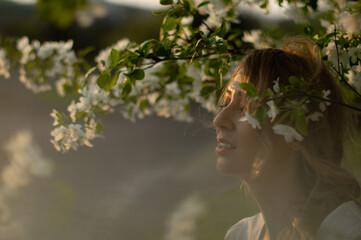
(228, 167)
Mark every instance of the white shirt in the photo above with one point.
(343, 223)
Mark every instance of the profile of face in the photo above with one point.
(238, 142)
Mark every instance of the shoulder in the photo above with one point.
(342, 223)
(247, 228)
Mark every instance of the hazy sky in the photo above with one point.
(150, 4)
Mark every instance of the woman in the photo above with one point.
(298, 184)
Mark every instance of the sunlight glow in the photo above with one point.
(147, 4)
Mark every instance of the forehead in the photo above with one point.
(234, 85)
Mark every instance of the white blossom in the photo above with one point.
(314, 116)
(251, 120)
(255, 37)
(354, 76)
(172, 89)
(86, 16)
(350, 23)
(336, 57)
(175, 108)
(294, 11)
(181, 224)
(25, 48)
(60, 59)
(276, 85)
(273, 110)
(4, 64)
(72, 109)
(91, 96)
(103, 56)
(73, 136)
(323, 104)
(288, 132)
(355, 53)
(26, 160)
(327, 25)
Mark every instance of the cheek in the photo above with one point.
(239, 163)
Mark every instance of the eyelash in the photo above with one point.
(225, 103)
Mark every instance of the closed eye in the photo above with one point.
(225, 102)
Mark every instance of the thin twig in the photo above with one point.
(333, 101)
(338, 56)
(344, 81)
(316, 97)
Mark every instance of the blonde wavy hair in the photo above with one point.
(326, 183)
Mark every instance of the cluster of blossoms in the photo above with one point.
(279, 111)
(40, 63)
(182, 222)
(26, 161)
(152, 96)
(4, 64)
(187, 65)
(67, 133)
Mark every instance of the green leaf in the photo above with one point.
(114, 57)
(293, 80)
(103, 80)
(266, 93)
(300, 118)
(106, 82)
(83, 52)
(309, 30)
(221, 48)
(203, 4)
(249, 88)
(138, 74)
(133, 58)
(264, 4)
(188, 4)
(231, 13)
(99, 128)
(112, 82)
(90, 71)
(143, 104)
(146, 46)
(206, 91)
(170, 24)
(159, 13)
(221, 31)
(260, 114)
(126, 88)
(313, 4)
(283, 117)
(80, 115)
(160, 50)
(228, 2)
(166, 2)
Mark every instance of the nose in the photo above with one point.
(224, 119)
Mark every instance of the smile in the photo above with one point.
(224, 147)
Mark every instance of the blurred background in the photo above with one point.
(153, 179)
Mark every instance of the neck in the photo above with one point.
(276, 191)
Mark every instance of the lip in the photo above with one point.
(222, 149)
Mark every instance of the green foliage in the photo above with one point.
(61, 13)
(249, 88)
(166, 2)
(192, 59)
(260, 114)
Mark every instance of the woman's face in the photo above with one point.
(238, 142)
